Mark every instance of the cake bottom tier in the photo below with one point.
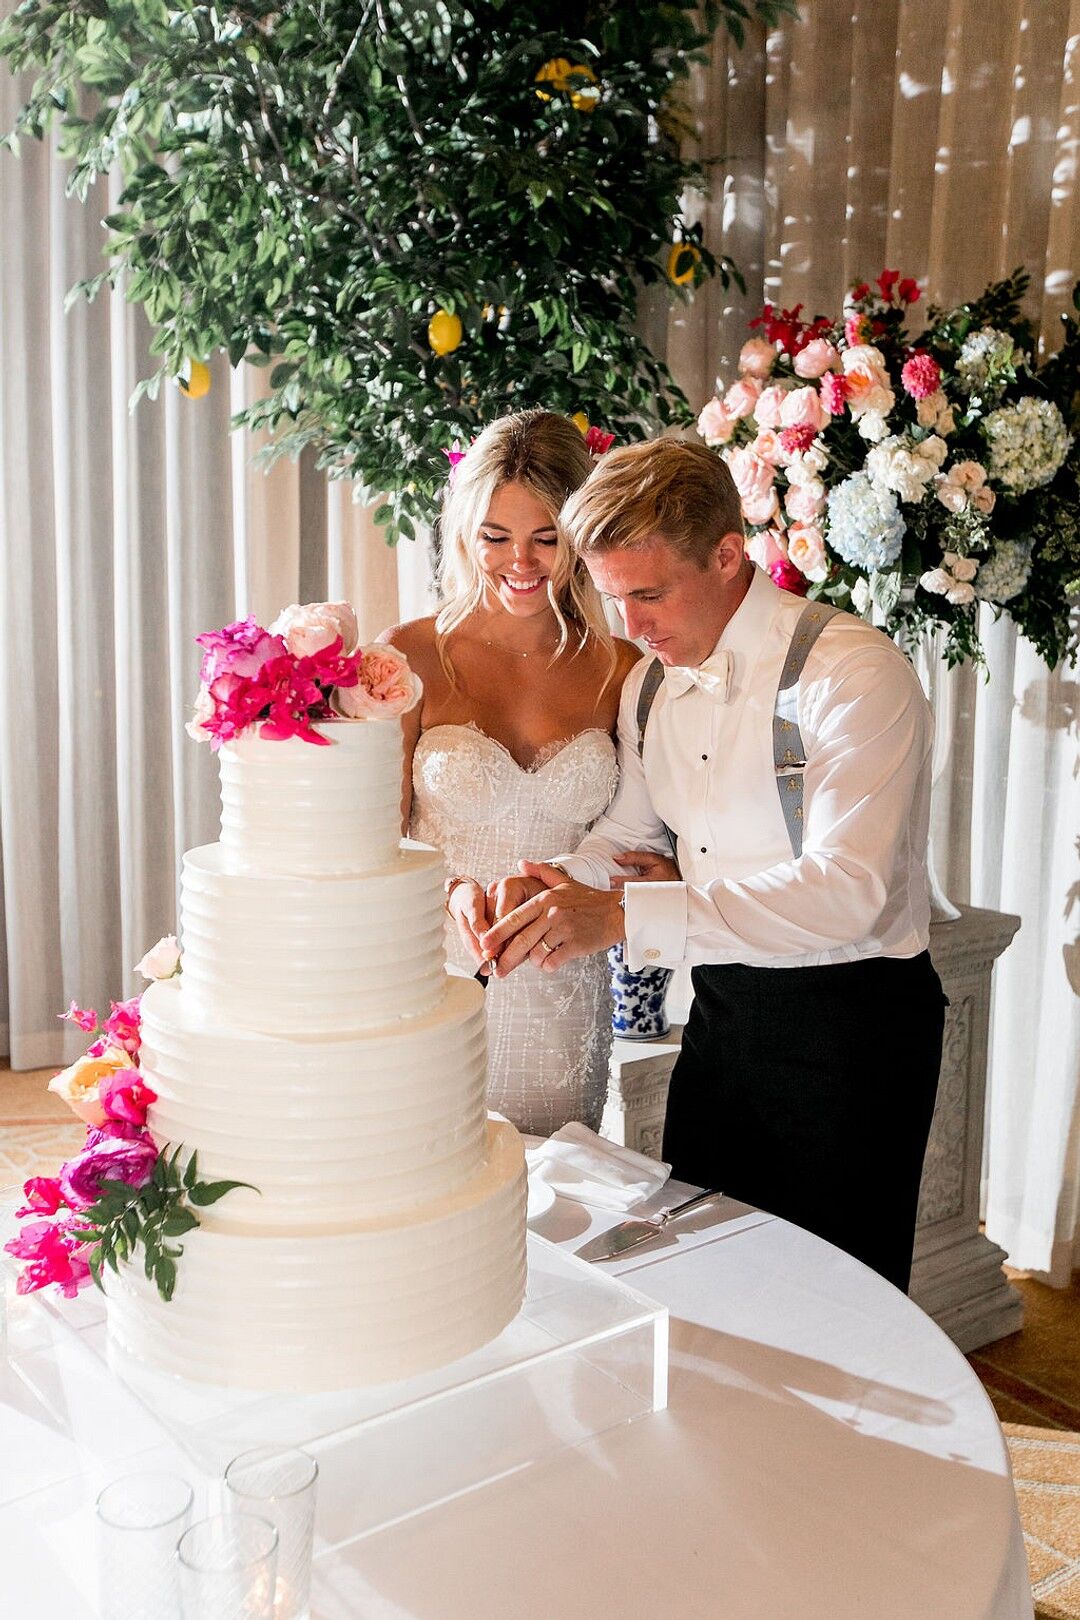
(372, 1303)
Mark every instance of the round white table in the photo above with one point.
(827, 1454)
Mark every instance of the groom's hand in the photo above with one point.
(563, 921)
(646, 866)
(506, 894)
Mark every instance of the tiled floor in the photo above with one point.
(1032, 1377)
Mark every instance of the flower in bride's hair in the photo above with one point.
(386, 688)
(455, 457)
(309, 627)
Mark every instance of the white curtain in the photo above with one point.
(938, 138)
(941, 140)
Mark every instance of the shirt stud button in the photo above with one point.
(703, 850)
(704, 756)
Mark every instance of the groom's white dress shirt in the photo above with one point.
(859, 888)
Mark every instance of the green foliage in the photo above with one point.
(307, 184)
(125, 1218)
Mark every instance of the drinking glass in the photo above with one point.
(140, 1519)
(227, 1567)
(278, 1484)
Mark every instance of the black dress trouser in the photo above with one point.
(809, 1092)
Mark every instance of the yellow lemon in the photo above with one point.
(553, 73)
(682, 263)
(444, 332)
(197, 381)
(581, 422)
(584, 98)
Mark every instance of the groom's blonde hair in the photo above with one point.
(679, 491)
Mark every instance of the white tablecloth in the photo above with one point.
(827, 1455)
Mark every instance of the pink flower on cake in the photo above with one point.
(238, 649)
(129, 1159)
(387, 686)
(818, 357)
(715, 424)
(921, 376)
(757, 358)
(309, 628)
(125, 1096)
(51, 1255)
(803, 408)
(79, 1084)
(84, 1017)
(767, 409)
(43, 1197)
(162, 960)
(742, 397)
(123, 1026)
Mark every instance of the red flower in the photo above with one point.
(908, 291)
(886, 282)
(861, 291)
(597, 442)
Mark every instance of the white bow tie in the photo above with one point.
(713, 677)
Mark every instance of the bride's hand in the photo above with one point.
(646, 866)
(467, 905)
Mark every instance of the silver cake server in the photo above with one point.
(628, 1234)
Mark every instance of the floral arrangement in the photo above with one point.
(305, 668)
(916, 476)
(121, 1192)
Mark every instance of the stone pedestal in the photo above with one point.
(956, 1275)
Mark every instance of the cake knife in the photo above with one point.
(628, 1234)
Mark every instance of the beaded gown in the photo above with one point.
(549, 1033)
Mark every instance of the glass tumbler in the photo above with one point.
(278, 1484)
(227, 1567)
(140, 1518)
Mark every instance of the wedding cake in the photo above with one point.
(314, 1046)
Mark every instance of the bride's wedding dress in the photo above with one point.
(549, 1033)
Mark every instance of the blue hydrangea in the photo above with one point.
(865, 526)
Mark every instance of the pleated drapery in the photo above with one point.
(937, 139)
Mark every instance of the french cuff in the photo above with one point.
(582, 869)
(655, 925)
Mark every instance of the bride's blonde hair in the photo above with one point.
(546, 454)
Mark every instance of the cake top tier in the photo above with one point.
(307, 667)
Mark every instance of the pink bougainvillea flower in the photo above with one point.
(123, 1025)
(84, 1017)
(43, 1197)
(238, 649)
(126, 1096)
(921, 376)
(50, 1255)
(598, 442)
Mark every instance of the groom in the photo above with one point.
(784, 749)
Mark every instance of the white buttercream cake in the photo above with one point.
(315, 1046)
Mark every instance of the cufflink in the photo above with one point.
(651, 955)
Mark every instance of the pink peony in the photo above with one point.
(112, 1158)
(767, 409)
(753, 477)
(818, 357)
(761, 508)
(757, 358)
(239, 649)
(766, 548)
(921, 376)
(387, 686)
(834, 392)
(123, 1026)
(51, 1255)
(43, 1197)
(716, 424)
(742, 397)
(803, 408)
(84, 1017)
(806, 549)
(309, 628)
(804, 502)
(788, 577)
(124, 1095)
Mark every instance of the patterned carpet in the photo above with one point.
(1032, 1377)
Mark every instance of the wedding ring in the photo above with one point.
(548, 948)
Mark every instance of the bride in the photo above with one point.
(512, 749)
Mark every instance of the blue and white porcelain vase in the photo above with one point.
(638, 1000)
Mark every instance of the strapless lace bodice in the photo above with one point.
(549, 1034)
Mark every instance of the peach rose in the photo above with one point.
(742, 397)
(817, 358)
(757, 357)
(387, 686)
(308, 628)
(806, 549)
(767, 409)
(803, 408)
(78, 1085)
(767, 446)
(804, 502)
(716, 424)
(767, 548)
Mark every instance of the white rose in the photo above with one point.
(860, 595)
(309, 627)
(873, 426)
(937, 582)
(162, 960)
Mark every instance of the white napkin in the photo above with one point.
(578, 1164)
